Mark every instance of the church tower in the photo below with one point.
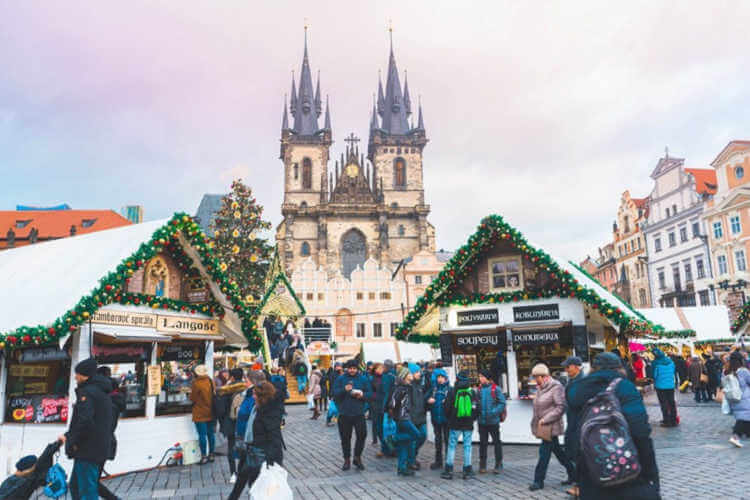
(305, 153)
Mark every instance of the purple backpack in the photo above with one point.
(608, 449)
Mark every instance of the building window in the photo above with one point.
(718, 231)
(321, 297)
(393, 329)
(371, 295)
(642, 297)
(307, 173)
(667, 213)
(289, 255)
(739, 260)
(674, 209)
(377, 330)
(353, 251)
(676, 276)
(310, 296)
(305, 250)
(657, 244)
(662, 280)
(703, 297)
(399, 173)
(401, 230)
(672, 239)
(699, 269)
(739, 172)
(360, 330)
(360, 296)
(385, 295)
(734, 223)
(683, 234)
(639, 243)
(88, 222)
(506, 274)
(721, 260)
(696, 229)
(296, 171)
(418, 279)
(688, 273)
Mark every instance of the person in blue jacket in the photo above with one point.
(664, 384)
(351, 391)
(387, 383)
(491, 406)
(435, 400)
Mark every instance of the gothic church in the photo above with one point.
(359, 208)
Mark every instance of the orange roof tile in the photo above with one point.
(53, 224)
(705, 180)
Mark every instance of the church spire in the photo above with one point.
(285, 117)
(318, 102)
(394, 111)
(293, 99)
(374, 119)
(327, 125)
(420, 120)
(305, 113)
(407, 100)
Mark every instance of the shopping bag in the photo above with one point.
(389, 429)
(333, 411)
(684, 386)
(310, 402)
(271, 483)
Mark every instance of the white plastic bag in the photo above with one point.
(271, 484)
(310, 401)
(726, 409)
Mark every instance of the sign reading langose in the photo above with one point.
(478, 317)
(542, 312)
(175, 324)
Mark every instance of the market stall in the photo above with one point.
(505, 306)
(149, 301)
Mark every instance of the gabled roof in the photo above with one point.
(665, 164)
(58, 284)
(705, 180)
(730, 148)
(53, 224)
(574, 283)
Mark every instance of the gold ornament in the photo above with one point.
(217, 233)
(223, 266)
(237, 214)
(236, 249)
(236, 233)
(235, 204)
(253, 258)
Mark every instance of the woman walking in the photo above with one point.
(314, 390)
(698, 377)
(262, 437)
(202, 394)
(741, 408)
(407, 434)
(547, 425)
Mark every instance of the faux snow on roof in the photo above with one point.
(709, 322)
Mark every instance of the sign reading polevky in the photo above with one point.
(177, 324)
(542, 312)
(477, 317)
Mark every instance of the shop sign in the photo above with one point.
(122, 318)
(30, 371)
(319, 347)
(176, 324)
(118, 353)
(446, 349)
(471, 343)
(526, 338)
(154, 380)
(542, 312)
(38, 409)
(37, 354)
(184, 353)
(478, 317)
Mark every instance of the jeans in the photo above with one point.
(84, 480)
(346, 424)
(246, 477)
(301, 383)
(377, 426)
(442, 434)
(231, 453)
(485, 432)
(453, 441)
(416, 445)
(407, 435)
(668, 406)
(205, 433)
(701, 394)
(546, 449)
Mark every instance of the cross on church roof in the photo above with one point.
(352, 139)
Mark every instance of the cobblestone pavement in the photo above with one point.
(695, 461)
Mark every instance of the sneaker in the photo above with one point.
(435, 466)
(498, 469)
(448, 472)
(536, 486)
(735, 441)
(406, 473)
(233, 479)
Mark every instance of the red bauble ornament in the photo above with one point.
(108, 287)
(136, 300)
(51, 331)
(26, 338)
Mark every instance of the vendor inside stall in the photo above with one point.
(37, 385)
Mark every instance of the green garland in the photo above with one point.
(725, 340)
(270, 291)
(677, 334)
(444, 288)
(111, 289)
(742, 318)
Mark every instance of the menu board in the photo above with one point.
(581, 342)
(446, 349)
(38, 409)
(184, 353)
(31, 371)
(154, 380)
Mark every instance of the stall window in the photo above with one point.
(177, 363)
(506, 274)
(127, 364)
(37, 386)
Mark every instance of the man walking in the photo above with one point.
(664, 384)
(351, 391)
(417, 412)
(435, 400)
(333, 374)
(574, 368)
(387, 383)
(89, 439)
(491, 406)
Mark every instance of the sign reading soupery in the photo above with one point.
(166, 324)
(542, 312)
(477, 317)
(473, 342)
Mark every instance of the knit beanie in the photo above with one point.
(486, 374)
(87, 367)
(413, 368)
(26, 463)
(403, 373)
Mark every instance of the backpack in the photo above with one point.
(732, 390)
(56, 481)
(504, 413)
(464, 403)
(608, 450)
(301, 369)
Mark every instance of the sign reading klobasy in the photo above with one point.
(176, 324)
(477, 317)
(542, 312)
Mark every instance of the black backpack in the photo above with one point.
(609, 452)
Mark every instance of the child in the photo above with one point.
(460, 410)
(31, 473)
(491, 407)
(436, 398)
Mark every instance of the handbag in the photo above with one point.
(544, 432)
(255, 456)
(704, 378)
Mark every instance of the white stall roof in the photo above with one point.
(378, 352)
(709, 322)
(411, 351)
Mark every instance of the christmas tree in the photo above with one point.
(243, 253)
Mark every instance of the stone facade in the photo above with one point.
(630, 251)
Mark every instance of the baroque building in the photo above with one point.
(630, 251)
(363, 207)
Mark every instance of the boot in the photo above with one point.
(482, 467)
(347, 464)
(448, 472)
(536, 485)
(358, 463)
(468, 473)
(435, 465)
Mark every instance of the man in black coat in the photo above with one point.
(118, 407)
(89, 439)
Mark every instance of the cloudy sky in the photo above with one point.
(544, 112)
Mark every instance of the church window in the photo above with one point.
(307, 173)
(305, 250)
(289, 255)
(303, 204)
(385, 295)
(309, 296)
(506, 274)
(353, 251)
(401, 230)
(399, 173)
(296, 171)
(157, 278)
(398, 151)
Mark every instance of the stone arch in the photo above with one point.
(353, 251)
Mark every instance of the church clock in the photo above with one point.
(352, 170)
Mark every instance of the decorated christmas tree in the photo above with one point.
(243, 253)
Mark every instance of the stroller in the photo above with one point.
(23, 484)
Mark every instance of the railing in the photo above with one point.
(321, 334)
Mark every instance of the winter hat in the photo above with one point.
(26, 463)
(388, 363)
(403, 373)
(540, 370)
(236, 373)
(439, 372)
(87, 367)
(201, 370)
(572, 360)
(606, 361)
(463, 376)
(352, 363)
(485, 373)
(413, 368)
